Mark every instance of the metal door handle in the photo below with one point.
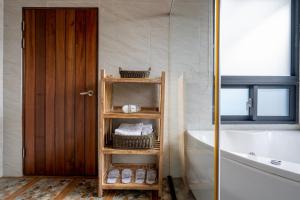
(89, 93)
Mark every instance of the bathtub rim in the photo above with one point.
(283, 172)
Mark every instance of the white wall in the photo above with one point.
(132, 33)
(1, 87)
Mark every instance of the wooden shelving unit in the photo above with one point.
(108, 113)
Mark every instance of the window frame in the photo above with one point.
(254, 82)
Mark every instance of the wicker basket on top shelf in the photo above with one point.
(134, 74)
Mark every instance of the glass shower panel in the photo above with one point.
(191, 92)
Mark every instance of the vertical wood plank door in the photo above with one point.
(60, 58)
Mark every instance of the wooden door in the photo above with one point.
(59, 65)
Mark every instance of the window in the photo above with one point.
(259, 61)
(234, 101)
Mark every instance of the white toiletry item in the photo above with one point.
(131, 108)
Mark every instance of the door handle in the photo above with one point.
(89, 93)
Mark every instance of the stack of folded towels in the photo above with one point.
(134, 129)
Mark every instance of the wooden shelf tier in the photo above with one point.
(132, 80)
(109, 150)
(130, 186)
(139, 115)
(145, 113)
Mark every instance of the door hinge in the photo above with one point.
(23, 43)
(23, 152)
(23, 26)
(23, 29)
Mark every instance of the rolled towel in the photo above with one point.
(147, 129)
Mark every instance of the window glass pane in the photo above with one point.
(273, 102)
(255, 37)
(234, 101)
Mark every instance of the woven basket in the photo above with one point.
(133, 142)
(134, 74)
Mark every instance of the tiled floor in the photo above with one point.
(44, 188)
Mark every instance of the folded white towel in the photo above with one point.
(134, 129)
(131, 126)
(127, 133)
(130, 129)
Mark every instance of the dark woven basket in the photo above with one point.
(133, 142)
(134, 74)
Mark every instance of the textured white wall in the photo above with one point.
(1, 86)
(132, 33)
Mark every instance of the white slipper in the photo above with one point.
(140, 176)
(126, 175)
(113, 176)
(151, 176)
(131, 108)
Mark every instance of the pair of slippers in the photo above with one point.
(140, 175)
(113, 176)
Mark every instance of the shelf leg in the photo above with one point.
(100, 192)
(155, 195)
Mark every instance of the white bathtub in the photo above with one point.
(245, 176)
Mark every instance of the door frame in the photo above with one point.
(23, 77)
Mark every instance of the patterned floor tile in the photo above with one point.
(78, 188)
(10, 185)
(182, 191)
(45, 189)
(132, 195)
(84, 188)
